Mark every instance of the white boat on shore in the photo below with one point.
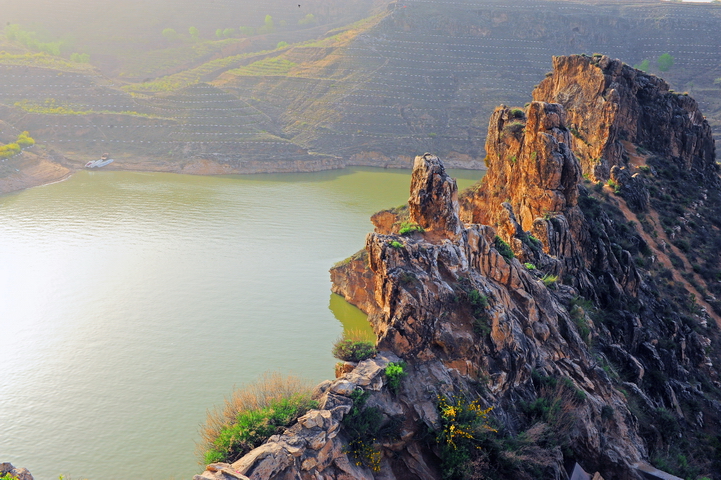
(104, 160)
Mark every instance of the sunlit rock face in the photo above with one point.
(530, 287)
(608, 102)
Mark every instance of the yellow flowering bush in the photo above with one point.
(462, 425)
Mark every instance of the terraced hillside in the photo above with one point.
(416, 76)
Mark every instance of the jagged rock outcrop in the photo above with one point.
(433, 203)
(530, 192)
(18, 473)
(608, 102)
(536, 288)
(420, 319)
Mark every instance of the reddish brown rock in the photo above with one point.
(433, 203)
(608, 102)
(468, 318)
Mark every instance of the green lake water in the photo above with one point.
(130, 303)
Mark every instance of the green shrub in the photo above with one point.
(516, 113)
(7, 476)
(25, 140)
(615, 186)
(514, 128)
(363, 426)
(664, 62)
(578, 315)
(80, 58)
(550, 280)
(642, 66)
(354, 346)
(478, 301)
(396, 244)
(533, 242)
(9, 150)
(252, 415)
(307, 20)
(529, 266)
(607, 412)
(503, 248)
(463, 424)
(408, 228)
(481, 326)
(394, 374)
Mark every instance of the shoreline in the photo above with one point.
(47, 170)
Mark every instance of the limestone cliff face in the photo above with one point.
(540, 286)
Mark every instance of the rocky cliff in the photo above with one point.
(583, 313)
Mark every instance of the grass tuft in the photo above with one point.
(354, 346)
(253, 414)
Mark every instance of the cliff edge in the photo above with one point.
(569, 300)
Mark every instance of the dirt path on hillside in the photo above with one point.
(662, 256)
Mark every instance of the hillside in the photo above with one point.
(374, 84)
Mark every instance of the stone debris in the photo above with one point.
(19, 473)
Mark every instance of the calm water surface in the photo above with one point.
(130, 303)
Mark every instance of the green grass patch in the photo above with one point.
(503, 248)
(45, 61)
(276, 66)
(395, 372)
(408, 228)
(252, 415)
(51, 107)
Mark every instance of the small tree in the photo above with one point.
(80, 58)
(665, 62)
(268, 26)
(307, 20)
(193, 32)
(642, 66)
(25, 140)
(219, 33)
(170, 34)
